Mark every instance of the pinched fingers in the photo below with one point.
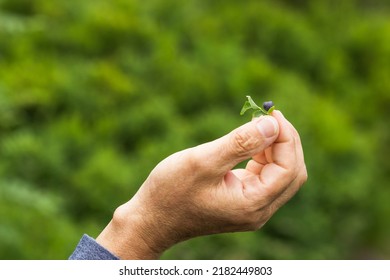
(295, 185)
(280, 169)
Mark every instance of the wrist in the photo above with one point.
(129, 235)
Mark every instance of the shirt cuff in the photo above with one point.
(89, 249)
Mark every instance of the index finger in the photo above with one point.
(279, 166)
(284, 149)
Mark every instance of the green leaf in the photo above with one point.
(270, 110)
(245, 108)
(252, 103)
(257, 113)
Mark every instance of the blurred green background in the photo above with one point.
(93, 94)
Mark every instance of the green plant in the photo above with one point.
(267, 109)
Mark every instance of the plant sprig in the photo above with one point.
(258, 111)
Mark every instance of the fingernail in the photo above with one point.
(267, 126)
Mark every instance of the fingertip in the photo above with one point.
(277, 114)
(287, 130)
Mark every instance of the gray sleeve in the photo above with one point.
(89, 249)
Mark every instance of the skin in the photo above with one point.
(197, 192)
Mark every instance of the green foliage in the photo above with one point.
(93, 94)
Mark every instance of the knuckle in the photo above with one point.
(252, 222)
(260, 223)
(290, 174)
(255, 219)
(248, 218)
(271, 193)
(243, 142)
(304, 176)
(255, 226)
(192, 159)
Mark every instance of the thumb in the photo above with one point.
(240, 144)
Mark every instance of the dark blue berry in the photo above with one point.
(267, 105)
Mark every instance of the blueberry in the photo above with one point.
(267, 105)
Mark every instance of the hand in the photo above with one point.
(195, 192)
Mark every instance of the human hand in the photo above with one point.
(195, 192)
